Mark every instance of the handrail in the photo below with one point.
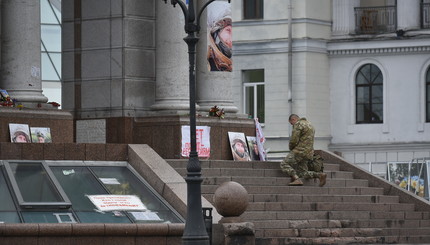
(374, 20)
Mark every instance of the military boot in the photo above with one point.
(323, 178)
(295, 181)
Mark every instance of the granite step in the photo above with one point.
(182, 163)
(248, 172)
(331, 223)
(343, 232)
(344, 199)
(329, 206)
(323, 198)
(282, 181)
(332, 215)
(303, 190)
(421, 239)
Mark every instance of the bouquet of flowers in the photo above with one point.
(215, 111)
(6, 100)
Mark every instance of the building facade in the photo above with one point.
(379, 80)
(358, 70)
(289, 56)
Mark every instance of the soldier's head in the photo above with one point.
(239, 146)
(293, 119)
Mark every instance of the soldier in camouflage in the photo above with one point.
(299, 162)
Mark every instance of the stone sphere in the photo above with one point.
(230, 199)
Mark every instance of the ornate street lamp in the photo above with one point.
(195, 231)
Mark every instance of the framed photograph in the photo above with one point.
(238, 146)
(19, 133)
(412, 176)
(40, 135)
(253, 148)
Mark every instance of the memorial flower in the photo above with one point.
(215, 111)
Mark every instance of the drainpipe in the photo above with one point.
(290, 57)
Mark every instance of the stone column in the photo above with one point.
(172, 81)
(408, 14)
(213, 87)
(20, 51)
(343, 16)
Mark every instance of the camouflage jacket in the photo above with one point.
(302, 139)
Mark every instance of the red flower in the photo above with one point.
(54, 104)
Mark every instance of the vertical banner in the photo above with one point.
(220, 41)
(202, 141)
(260, 140)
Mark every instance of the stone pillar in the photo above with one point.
(213, 87)
(344, 17)
(408, 14)
(20, 51)
(171, 88)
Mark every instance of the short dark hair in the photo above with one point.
(293, 115)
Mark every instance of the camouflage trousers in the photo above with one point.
(295, 164)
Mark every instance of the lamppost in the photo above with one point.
(195, 231)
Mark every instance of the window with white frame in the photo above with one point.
(253, 90)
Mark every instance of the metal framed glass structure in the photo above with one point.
(58, 192)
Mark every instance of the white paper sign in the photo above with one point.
(203, 144)
(145, 216)
(109, 181)
(117, 202)
(68, 171)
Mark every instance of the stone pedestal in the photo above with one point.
(59, 122)
(234, 234)
(20, 51)
(163, 133)
(231, 200)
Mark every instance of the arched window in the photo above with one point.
(369, 94)
(428, 95)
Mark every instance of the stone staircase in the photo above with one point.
(345, 211)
